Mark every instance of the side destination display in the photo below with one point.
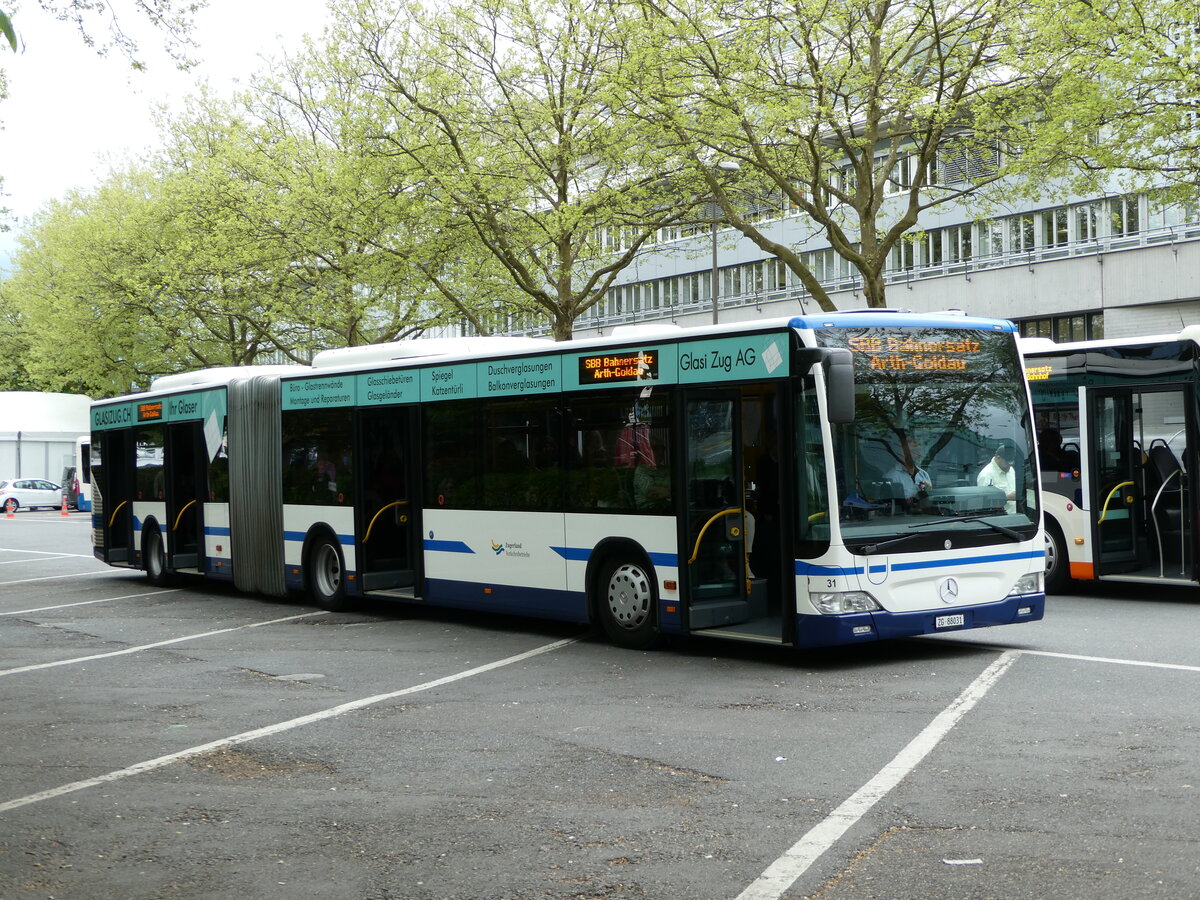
(754, 356)
(178, 408)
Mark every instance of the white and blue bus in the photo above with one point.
(808, 481)
(1118, 424)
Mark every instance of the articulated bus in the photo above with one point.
(808, 481)
(1116, 425)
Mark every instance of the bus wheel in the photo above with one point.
(154, 557)
(1057, 565)
(627, 605)
(326, 571)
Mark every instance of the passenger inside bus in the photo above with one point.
(1000, 474)
(1051, 453)
(907, 475)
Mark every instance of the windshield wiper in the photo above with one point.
(1010, 533)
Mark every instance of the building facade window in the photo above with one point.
(1082, 326)
(1124, 213)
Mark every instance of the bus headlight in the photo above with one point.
(1028, 584)
(844, 602)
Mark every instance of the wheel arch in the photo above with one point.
(1054, 583)
(607, 549)
(317, 531)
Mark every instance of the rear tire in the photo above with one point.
(1058, 567)
(628, 604)
(326, 574)
(154, 558)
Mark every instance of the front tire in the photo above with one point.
(11, 505)
(628, 604)
(326, 574)
(1058, 567)
(154, 558)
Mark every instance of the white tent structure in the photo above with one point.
(38, 432)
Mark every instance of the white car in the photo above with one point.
(29, 492)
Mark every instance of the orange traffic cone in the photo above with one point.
(64, 508)
(8, 509)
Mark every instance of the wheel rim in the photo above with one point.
(1052, 561)
(629, 597)
(10, 504)
(328, 570)
(154, 555)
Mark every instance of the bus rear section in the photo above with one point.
(1117, 425)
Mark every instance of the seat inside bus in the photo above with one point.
(1164, 477)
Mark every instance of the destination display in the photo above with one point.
(150, 412)
(896, 353)
(611, 368)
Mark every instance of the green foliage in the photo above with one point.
(502, 162)
(6, 28)
(515, 141)
(173, 19)
(847, 111)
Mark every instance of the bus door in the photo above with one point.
(1114, 467)
(186, 476)
(113, 489)
(387, 518)
(714, 552)
(1159, 501)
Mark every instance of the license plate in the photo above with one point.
(948, 621)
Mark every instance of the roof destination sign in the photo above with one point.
(613, 368)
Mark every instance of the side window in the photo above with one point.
(218, 469)
(619, 452)
(452, 442)
(812, 504)
(148, 479)
(316, 457)
(523, 455)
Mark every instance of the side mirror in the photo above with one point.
(839, 379)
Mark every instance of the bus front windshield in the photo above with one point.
(940, 453)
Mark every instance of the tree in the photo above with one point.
(502, 116)
(258, 179)
(860, 114)
(6, 28)
(1142, 111)
(172, 18)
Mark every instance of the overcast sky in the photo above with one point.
(70, 111)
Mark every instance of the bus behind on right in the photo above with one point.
(1116, 422)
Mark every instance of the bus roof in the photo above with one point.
(1032, 346)
(217, 375)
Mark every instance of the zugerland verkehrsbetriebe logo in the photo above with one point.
(509, 549)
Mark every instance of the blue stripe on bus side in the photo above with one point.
(298, 536)
(583, 554)
(217, 530)
(803, 568)
(448, 546)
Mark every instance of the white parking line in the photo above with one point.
(71, 575)
(782, 874)
(38, 609)
(1112, 661)
(795, 861)
(42, 554)
(161, 761)
(140, 647)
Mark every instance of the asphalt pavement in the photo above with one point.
(194, 742)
